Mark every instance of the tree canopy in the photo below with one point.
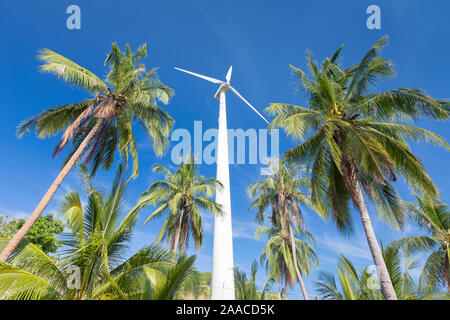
(43, 233)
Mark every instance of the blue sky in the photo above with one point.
(260, 39)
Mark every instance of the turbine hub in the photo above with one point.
(223, 87)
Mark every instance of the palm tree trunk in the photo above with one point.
(177, 234)
(14, 242)
(385, 280)
(447, 266)
(294, 258)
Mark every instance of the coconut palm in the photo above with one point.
(278, 256)
(196, 287)
(246, 289)
(282, 193)
(148, 275)
(433, 216)
(102, 124)
(356, 147)
(365, 286)
(93, 265)
(182, 195)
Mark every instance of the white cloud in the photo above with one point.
(350, 248)
(208, 222)
(241, 229)
(244, 229)
(14, 213)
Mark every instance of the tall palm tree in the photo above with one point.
(282, 193)
(278, 256)
(355, 146)
(100, 125)
(433, 216)
(363, 286)
(93, 265)
(182, 195)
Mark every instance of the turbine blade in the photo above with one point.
(228, 77)
(238, 94)
(201, 76)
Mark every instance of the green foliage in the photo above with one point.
(42, 234)
(284, 193)
(196, 286)
(182, 195)
(246, 289)
(362, 285)
(7, 228)
(349, 134)
(432, 216)
(93, 264)
(128, 95)
(278, 259)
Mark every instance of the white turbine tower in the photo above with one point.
(222, 286)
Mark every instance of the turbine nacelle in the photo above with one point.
(224, 86)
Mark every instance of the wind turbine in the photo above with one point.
(222, 286)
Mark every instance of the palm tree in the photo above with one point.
(148, 275)
(196, 287)
(182, 195)
(282, 193)
(356, 146)
(363, 286)
(246, 289)
(93, 265)
(100, 125)
(433, 216)
(278, 256)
